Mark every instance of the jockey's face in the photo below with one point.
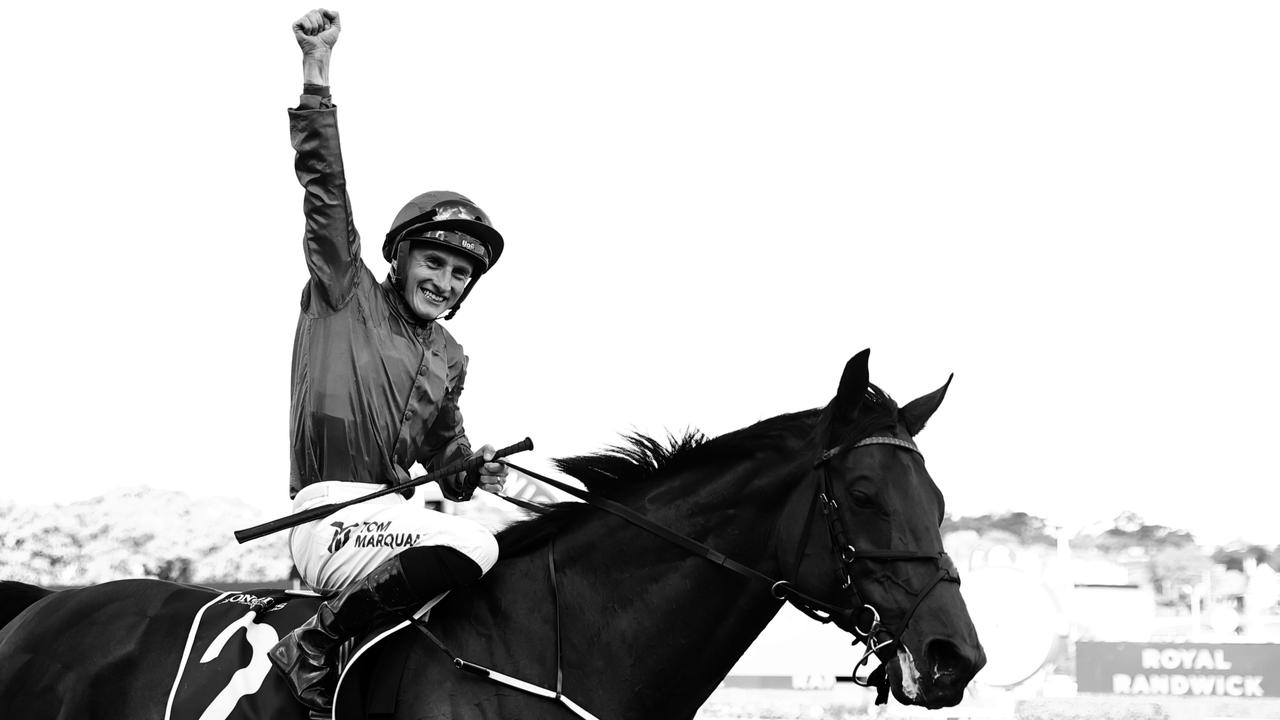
(434, 278)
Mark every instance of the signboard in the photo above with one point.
(1221, 669)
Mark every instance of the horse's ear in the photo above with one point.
(853, 385)
(918, 411)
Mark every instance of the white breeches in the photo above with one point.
(338, 549)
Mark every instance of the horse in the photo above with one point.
(830, 508)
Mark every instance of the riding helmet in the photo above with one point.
(441, 210)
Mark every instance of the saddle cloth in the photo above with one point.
(224, 662)
(224, 672)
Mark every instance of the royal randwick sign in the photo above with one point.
(1225, 670)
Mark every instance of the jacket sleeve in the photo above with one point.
(446, 439)
(330, 243)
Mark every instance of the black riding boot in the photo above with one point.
(306, 656)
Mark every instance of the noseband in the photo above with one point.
(867, 628)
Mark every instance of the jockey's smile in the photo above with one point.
(434, 278)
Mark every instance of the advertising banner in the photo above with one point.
(1219, 669)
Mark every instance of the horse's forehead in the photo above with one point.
(899, 471)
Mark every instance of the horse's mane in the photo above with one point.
(641, 460)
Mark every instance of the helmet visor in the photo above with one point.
(452, 239)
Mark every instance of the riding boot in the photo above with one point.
(306, 656)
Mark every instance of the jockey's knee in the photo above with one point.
(468, 540)
(433, 569)
(473, 540)
(485, 552)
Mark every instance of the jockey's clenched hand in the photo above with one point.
(493, 475)
(317, 31)
(490, 477)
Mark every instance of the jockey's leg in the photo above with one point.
(394, 589)
(362, 550)
(333, 552)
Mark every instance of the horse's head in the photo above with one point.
(874, 528)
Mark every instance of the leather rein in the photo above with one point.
(867, 627)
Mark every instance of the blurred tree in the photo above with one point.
(1166, 558)
(1130, 531)
(1232, 556)
(1027, 529)
(178, 569)
(1176, 571)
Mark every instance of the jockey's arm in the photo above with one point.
(330, 243)
(446, 442)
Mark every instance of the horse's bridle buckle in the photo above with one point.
(778, 590)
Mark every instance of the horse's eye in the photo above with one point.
(863, 500)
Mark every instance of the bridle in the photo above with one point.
(868, 628)
(872, 633)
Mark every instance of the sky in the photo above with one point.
(709, 208)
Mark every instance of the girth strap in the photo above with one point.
(513, 682)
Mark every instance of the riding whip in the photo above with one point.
(467, 465)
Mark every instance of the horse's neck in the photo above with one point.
(661, 627)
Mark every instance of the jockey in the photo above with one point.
(376, 381)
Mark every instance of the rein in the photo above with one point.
(874, 635)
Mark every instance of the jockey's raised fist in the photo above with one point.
(317, 31)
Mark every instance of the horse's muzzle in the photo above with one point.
(937, 679)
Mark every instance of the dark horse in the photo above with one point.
(641, 627)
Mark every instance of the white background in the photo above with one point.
(709, 208)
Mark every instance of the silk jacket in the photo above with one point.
(374, 388)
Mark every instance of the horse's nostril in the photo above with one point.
(944, 658)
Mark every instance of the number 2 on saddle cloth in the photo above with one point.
(224, 673)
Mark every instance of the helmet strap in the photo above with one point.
(466, 291)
